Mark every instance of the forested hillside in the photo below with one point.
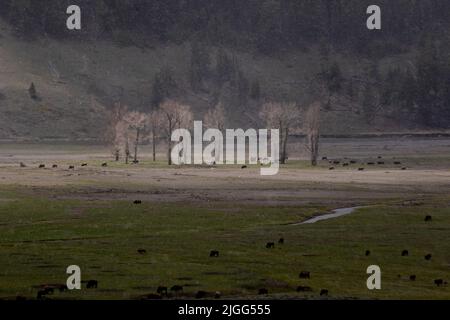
(237, 53)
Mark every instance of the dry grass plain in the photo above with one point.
(53, 217)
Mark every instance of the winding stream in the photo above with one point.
(334, 214)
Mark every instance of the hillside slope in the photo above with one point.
(77, 82)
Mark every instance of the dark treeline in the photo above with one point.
(417, 90)
(266, 25)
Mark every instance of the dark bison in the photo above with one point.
(162, 290)
(176, 288)
(397, 162)
(405, 253)
(281, 241)
(331, 168)
(412, 277)
(54, 166)
(41, 166)
(367, 253)
(151, 296)
(214, 254)
(41, 295)
(439, 282)
(137, 201)
(71, 167)
(84, 164)
(104, 164)
(263, 291)
(92, 284)
(428, 256)
(304, 289)
(360, 169)
(304, 275)
(428, 218)
(201, 295)
(324, 292)
(270, 245)
(244, 167)
(142, 251)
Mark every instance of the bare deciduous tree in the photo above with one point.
(176, 115)
(137, 123)
(116, 127)
(282, 116)
(155, 123)
(215, 118)
(312, 129)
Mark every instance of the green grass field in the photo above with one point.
(41, 236)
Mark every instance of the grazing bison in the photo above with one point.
(360, 169)
(304, 275)
(151, 296)
(201, 295)
(49, 290)
(439, 282)
(22, 165)
(324, 292)
(137, 201)
(428, 256)
(404, 168)
(397, 162)
(352, 161)
(281, 241)
(345, 164)
(270, 245)
(214, 254)
(380, 162)
(176, 288)
(104, 164)
(370, 163)
(54, 166)
(41, 294)
(324, 158)
(142, 251)
(405, 253)
(92, 284)
(428, 218)
(244, 167)
(84, 164)
(336, 162)
(162, 290)
(412, 277)
(41, 166)
(62, 288)
(71, 167)
(331, 168)
(367, 253)
(263, 291)
(304, 289)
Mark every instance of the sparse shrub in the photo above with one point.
(33, 92)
